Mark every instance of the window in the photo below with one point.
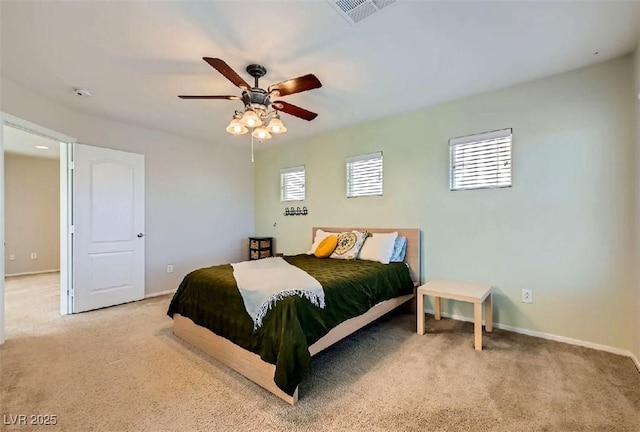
(292, 184)
(481, 161)
(364, 175)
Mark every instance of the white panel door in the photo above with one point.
(108, 220)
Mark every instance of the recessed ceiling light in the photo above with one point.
(42, 147)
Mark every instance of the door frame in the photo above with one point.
(66, 243)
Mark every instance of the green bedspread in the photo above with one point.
(210, 298)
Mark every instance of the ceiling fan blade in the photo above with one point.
(209, 97)
(294, 110)
(296, 85)
(228, 73)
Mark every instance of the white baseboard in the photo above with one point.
(33, 273)
(549, 336)
(161, 293)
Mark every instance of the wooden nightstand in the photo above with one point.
(260, 247)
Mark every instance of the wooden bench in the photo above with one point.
(475, 293)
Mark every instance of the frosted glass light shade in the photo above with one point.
(276, 126)
(261, 133)
(251, 119)
(236, 127)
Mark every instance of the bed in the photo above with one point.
(209, 314)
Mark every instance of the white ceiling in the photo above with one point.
(137, 56)
(24, 143)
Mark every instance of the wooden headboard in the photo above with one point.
(413, 245)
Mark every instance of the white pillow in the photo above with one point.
(378, 247)
(320, 235)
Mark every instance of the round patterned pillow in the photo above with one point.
(346, 242)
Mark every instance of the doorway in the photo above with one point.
(101, 224)
(32, 229)
(16, 261)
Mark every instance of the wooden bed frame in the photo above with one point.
(253, 367)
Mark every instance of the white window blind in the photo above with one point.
(364, 175)
(292, 182)
(481, 161)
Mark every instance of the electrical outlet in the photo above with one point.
(170, 268)
(34, 255)
(527, 296)
(12, 257)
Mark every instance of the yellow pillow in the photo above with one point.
(326, 246)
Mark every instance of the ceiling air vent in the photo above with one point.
(355, 11)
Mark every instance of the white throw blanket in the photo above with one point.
(263, 282)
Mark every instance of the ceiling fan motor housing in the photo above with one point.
(256, 98)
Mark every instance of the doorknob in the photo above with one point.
(140, 235)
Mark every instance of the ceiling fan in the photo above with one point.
(258, 107)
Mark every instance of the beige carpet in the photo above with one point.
(121, 369)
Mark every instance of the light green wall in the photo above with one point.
(562, 230)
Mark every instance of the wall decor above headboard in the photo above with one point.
(295, 211)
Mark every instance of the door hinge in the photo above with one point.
(72, 165)
(72, 229)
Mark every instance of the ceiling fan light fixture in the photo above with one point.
(276, 126)
(261, 133)
(251, 119)
(260, 115)
(236, 127)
